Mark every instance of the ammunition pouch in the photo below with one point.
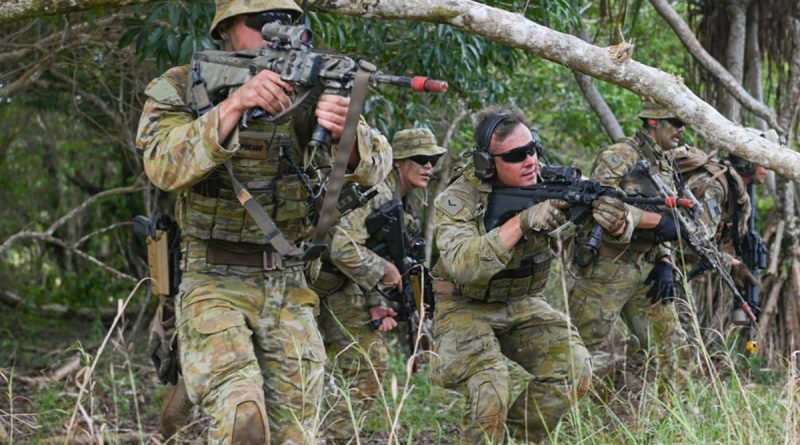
(162, 344)
(526, 279)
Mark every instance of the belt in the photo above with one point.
(615, 254)
(263, 257)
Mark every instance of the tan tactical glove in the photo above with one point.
(610, 213)
(544, 217)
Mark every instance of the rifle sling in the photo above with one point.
(329, 211)
(274, 235)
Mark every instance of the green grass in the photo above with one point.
(730, 399)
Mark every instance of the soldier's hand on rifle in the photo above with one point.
(392, 277)
(332, 112)
(265, 90)
(545, 216)
(663, 278)
(385, 315)
(611, 214)
(668, 229)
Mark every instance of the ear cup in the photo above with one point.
(485, 168)
(483, 161)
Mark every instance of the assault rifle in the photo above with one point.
(388, 239)
(565, 183)
(753, 253)
(290, 54)
(703, 245)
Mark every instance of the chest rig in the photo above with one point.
(526, 272)
(271, 166)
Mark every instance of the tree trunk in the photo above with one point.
(734, 55)
(752, 54)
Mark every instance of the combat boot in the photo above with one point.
(176, 410)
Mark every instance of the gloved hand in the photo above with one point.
(667, 229)
(544, 217)
(663, 278)
(610, 213)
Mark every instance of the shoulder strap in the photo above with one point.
(274, 235)
(329, 213)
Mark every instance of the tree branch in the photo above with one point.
(611, 64)
(48, 234)
(599, 105)
(15, 10)
(709, 63)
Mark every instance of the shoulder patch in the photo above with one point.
(451, 205)
(614, 161)
(170, 87)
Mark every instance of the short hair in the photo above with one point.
(514, 117)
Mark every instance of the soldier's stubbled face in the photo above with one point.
(515, 174)
(413, 175)
(667, 135)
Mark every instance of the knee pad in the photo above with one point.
(249, 426)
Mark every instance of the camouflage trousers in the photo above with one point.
(609, 290)
(359, 358)
(251, 353)
(519, 364)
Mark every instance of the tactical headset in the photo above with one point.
(483, 161)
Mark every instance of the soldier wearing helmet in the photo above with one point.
(633, 271)
(347, 282)
(251, 353)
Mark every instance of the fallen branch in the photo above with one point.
(60, 311)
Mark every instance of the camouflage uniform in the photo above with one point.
(250, 349)
(346, 287)
(613, 285)
(492, 325)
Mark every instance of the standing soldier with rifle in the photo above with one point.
(491, 320)
(726, 188)
(251, 353)
(354, 316)
(633, 272)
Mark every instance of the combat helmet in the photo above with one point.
(652, 110)
(414, 142)
(231, 8)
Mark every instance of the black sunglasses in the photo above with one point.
(424, 159)
(675, 122)
(258, 20)
(519, 154)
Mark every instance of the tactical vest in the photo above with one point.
(525, 274)
(270, 165)
(643, 240)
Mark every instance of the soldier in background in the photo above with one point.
(633, 273)
(347, 282)
(250, 350)
(491, 321)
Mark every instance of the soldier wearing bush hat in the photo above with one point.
(347, 282)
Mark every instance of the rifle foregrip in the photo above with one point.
(321, 137)
(422, 83)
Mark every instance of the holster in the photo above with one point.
(162, 345)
